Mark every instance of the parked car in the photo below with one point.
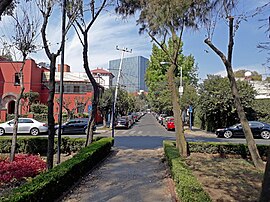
(74, 126)
(161, 117)
(122, 122)
(259, 129)
(25, 125)
(169, 125)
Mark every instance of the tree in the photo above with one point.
(30, 97)
(25, 30)
(46, 7)
(255, 76)
(88, 12)
(66, 105)
(161, 19)
(216, 102)
(4, 4)
(263, 13)
(156, 79)
(105, 104)
(225, 9)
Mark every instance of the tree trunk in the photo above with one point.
(16, 117)
(91, 122)
(51, 121)
(3, 5)
(181, 143)
(265, 196)
(104, 120)
(241, 113)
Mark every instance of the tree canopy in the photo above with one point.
(216, 104)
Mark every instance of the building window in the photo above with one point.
(76, 89)
(17, 79)
(68, 89)
(89, 88)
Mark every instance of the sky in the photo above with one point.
(110, 31)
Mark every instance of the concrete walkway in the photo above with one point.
(127, 176)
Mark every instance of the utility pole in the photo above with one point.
(117, 84)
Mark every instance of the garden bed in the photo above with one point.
(226, 179)
(222, 175)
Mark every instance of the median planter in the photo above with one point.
(51, 185)
(188, 188)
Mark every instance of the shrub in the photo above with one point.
(38, 145)
(39, 108)
(48, 186)
(225, 148)
(188, 187)
(23, 166)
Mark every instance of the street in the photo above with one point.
(150, 134)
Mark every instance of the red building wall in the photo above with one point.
(33, 75)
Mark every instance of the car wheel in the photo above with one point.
(34, 131)
(228, 134)
(2, 131)
(265, 134)
(85, 130)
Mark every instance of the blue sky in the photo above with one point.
(110, 31)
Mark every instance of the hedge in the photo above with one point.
(226, 148)
(188, 187)
(38, 145)
(50, 185)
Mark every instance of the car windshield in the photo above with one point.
(236, 125)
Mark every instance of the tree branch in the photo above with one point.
(3, 5)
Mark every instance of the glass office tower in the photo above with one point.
(132, 77)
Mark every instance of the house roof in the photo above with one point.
(101, 71)
(68, 76)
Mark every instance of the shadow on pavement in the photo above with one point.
(140, 142)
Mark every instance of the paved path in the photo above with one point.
(134, 172)
(127, 175)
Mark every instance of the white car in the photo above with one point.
(25, 125)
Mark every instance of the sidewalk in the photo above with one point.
(198, 132)
(127, 175)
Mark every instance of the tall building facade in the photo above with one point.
(132, 77)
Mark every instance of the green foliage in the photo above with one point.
(140, 102)
(50, 185)
(156, 79)
(124, 103)
(189, 97)
(225, 149)
(187, 186)
(216, 104)
(38, 145)
(41, 117)
(261, 108)
(30, 96)
(255, 76)
(106, 101)
(39, 108)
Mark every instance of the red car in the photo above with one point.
(170, 124)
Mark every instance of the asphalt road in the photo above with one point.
(150, 134)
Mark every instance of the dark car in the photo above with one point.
(74, 126)
(122, 122)
(259, 129)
